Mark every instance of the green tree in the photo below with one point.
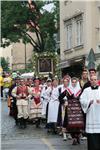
(21, 17)
(4, 64)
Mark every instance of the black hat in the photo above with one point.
(92, 69)
(36, 79)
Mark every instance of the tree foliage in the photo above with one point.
(19, 18)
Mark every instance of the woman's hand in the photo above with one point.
(66, 103)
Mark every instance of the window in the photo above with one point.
(79, 32)
(67, 2)
(69, 36)
(74, 31)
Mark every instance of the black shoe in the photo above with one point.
(24, 123)
(74, 142)
(49, 131)
(20, 123)
(54, 132)
(78, 140)
(38, 123)
(16, 122)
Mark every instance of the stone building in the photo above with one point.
(21, 53)
(18, 55)
(79, 32)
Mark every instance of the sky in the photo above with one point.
(48, 7)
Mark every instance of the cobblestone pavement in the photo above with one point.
(31, 138)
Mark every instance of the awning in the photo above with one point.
(69, 62)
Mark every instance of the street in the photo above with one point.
(31, 138)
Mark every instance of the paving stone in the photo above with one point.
(13, 138)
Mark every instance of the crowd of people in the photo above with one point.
(67, 106)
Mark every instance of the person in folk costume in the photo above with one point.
(10, 97)
(63, 107)
(22, 94)
(84, 78)
(43, 82)
(12, 101)
(53, 107)
(45, 96)
(75, 91)
(74, 115)
(29, 82)
(36, 106)
(60, 82)
(90, 102)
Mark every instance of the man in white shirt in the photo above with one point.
(90, 102)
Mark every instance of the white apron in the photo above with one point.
(45, 98)
(53, 106)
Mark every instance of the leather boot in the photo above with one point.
(16, 122)
(20, 123)
(38, 123)
(24, 123)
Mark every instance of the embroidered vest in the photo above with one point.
(22, 91)
(37, 91)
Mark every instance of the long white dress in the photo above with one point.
(45, 98)
(93, 111)
(53, 106)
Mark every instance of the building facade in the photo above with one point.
(18, 55)
(79, 32)
(21, 54)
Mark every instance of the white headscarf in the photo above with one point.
(75, 90)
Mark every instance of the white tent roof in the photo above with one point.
(27, 75)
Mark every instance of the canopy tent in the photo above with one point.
(28, 75)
